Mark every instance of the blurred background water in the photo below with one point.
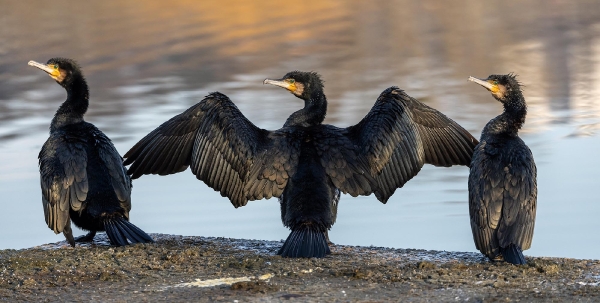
(146, 61)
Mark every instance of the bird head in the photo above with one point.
(62, 70)
(502, 87)
(301, 84)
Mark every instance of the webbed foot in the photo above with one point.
(87, 238)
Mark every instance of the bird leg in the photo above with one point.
(68, 233)
(497, 258)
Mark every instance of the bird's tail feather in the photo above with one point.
(513, 254)
(305, 241)
(121, 232)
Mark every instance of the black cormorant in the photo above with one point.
(305, 163)
(82, 174)
(502, 182)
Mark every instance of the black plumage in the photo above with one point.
(502, 181)
(82, 175)
(305, 163)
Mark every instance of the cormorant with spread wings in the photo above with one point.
(306, 164)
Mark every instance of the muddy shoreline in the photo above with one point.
(178, 268)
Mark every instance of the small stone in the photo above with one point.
(426, 265)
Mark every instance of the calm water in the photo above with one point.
(147, 61)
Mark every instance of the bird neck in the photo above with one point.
(512, 119)
(73, 109)
(313, 113)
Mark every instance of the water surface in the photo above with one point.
(147, 61)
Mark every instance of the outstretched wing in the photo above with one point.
(400, 134)
(113, 162)
(502, 199)
(223, 148)
(63, 178)
(340, 158)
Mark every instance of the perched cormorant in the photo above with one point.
(82, 174)
(305, 163)
(502, 182)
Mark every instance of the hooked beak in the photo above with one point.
(41, 66)
(52, 72)
(289, 86)
(483, 83)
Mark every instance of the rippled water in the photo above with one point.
(147, 61)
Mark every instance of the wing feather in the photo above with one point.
(63, 178)
(400, 134)
(222, 148)
(338, 154)
(502, 197)
(446, 140)
(519, 200)
(121, 182)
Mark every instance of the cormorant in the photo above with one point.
(306, 164)
(82, 174)
(502, 181)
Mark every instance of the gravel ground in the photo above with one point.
(200, 269)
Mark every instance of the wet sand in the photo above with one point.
(201, 269)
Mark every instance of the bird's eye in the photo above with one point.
(495, 82)
(55, 66)
(291, 81)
